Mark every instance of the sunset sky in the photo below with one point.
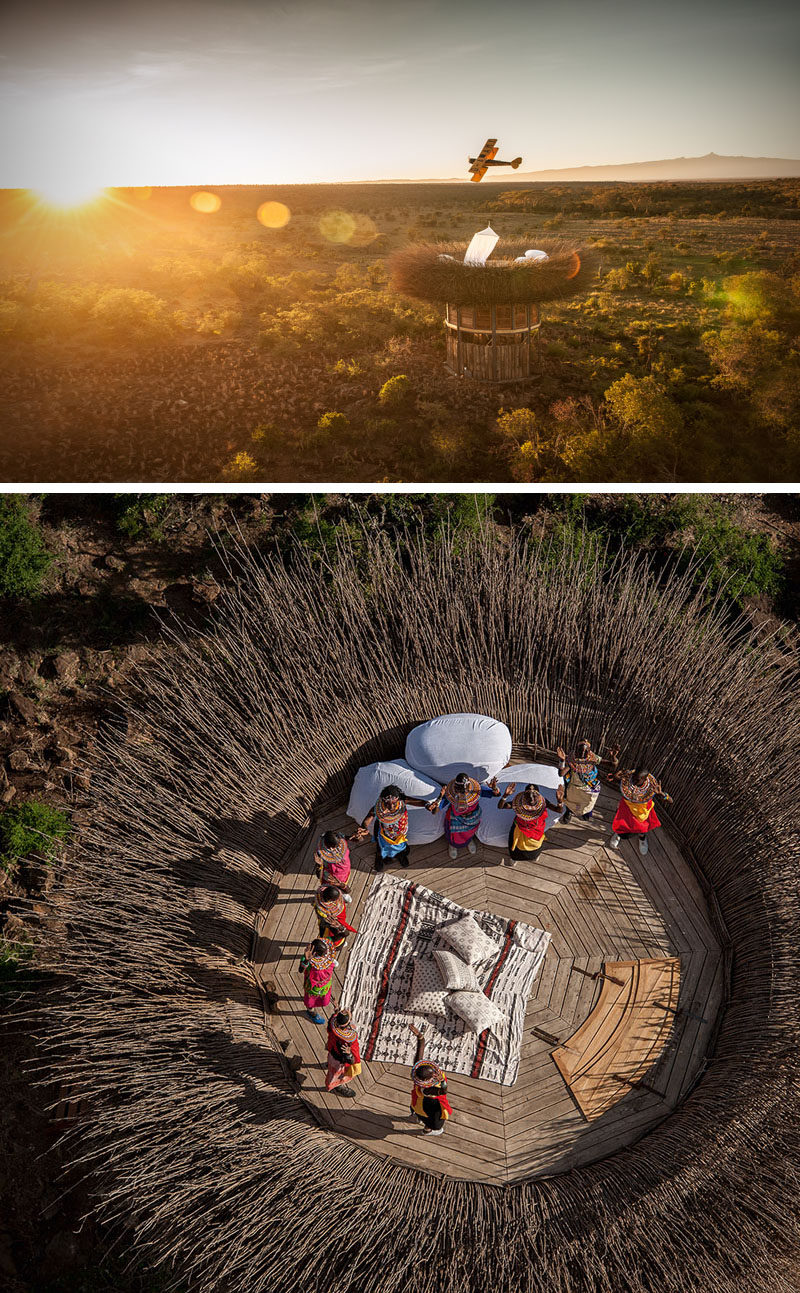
(194, 92)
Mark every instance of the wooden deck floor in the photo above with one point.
(599, 904)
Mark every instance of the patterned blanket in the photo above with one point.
(399, 923)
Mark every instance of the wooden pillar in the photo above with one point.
(493, 319)
(528, 325)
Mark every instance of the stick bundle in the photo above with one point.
(419, 271)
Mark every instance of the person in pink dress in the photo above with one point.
(332, 858)
(316, 966)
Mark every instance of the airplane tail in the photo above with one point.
(517, 162)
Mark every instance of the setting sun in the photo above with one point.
(68, 192)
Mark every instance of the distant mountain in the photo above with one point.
(710, 167)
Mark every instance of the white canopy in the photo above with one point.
(481, 247)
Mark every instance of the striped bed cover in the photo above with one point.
(399, 923)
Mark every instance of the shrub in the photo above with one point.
(242, 467)
(130, 314)
(519, 425)
(396, 392)
(213, 322)
(642, 407)
(143, 514)
(745, 563)
(32, 829)
(333, 424)
(23, 555)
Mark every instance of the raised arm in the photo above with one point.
(420, 1036)
(503, 801)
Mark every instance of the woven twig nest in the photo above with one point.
(197, 1140)
(419, 271)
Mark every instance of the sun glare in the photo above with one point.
(205, 203)
(274, 215)
(68, 192)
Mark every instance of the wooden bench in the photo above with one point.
(623, 1036)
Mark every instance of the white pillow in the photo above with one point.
(467, 938)
(451, 743)
(456, 973)
(496, 822)
(427, 994)
(477, 1010)
(423, 827)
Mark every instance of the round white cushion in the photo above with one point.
(453, 743)
(496, 822)
(423, 827)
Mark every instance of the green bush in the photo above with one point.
(396, 392)
(333, 424)
(128, 314)
(24, 558)
(740, 562)
(32, 829)
(143, 515)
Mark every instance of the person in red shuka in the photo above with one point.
(636, 814)
(344, 1054)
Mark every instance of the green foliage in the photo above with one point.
(396, 393)
(519, 425)
(741, 563)
(129, 314)
(31, 829)
(643, 408)
(143, 515)
(701, 530)
(242, 467)
(24, 559)
(333, 424)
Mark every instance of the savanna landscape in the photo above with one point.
(147, 339)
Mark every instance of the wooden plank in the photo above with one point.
(621, 1039)
(599, 905)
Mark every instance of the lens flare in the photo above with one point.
(205, 203)
(68, 191)
(273, 214)
(342, 227)
(337, 226)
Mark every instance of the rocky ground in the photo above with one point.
(64, 657)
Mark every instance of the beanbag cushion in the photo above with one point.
(423, 827)
(455, 973)
(428, 996)
(477, 1010)
(453, 743)
(466, 937)
(496, 822)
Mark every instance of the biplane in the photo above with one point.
(486, 157)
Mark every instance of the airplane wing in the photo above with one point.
(487, 154)
(478, 173)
